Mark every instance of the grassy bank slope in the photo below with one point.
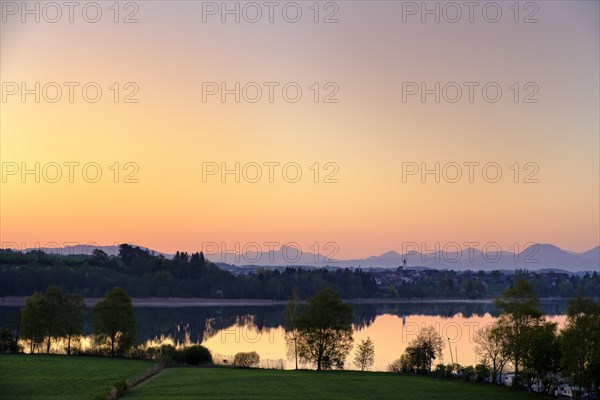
(41, 377)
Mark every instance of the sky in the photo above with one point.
(337, 116)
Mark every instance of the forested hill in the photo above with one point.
(145, 274)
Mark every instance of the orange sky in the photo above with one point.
(363, 141)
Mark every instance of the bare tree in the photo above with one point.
(365, 354)
(489, 344)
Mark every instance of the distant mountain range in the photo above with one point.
(535, 257)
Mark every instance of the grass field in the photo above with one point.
(224, 383)
(42, 377)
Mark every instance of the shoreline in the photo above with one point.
(175, 302)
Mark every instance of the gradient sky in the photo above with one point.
(369, 133)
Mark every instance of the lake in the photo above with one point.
(226, 330)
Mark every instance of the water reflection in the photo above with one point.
(228, 330)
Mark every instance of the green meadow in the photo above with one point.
(60, 377)
(53, 377)
(257, 384)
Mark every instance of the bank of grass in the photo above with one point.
(53, 377)
(244, 384)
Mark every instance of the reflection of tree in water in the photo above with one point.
(215, 325)
(554, 307)
(197, 324)
(364, 315)
(201, 323)
(467, 310)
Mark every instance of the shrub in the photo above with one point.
(468, 373)
(168, 355)
(246, 360)
(440, 371)
(453, 370)
(395, 366)
(223, 359)
(482, 373)
(7, 343)
(445, 371)
(138, 352)
(167, 361)
(178, 356)
(167, 350)
(196, 355)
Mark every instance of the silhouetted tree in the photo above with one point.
(52, 316)
(73, 317)
(520, 312)
(490, 341)
(365, 354)
(542, 353)
(99, 257)
(325, 330)
(420, 353)
(31, 321)
(580, 342)
(114, 320)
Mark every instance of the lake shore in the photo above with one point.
(19, 301)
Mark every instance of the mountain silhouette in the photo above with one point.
(538, 256)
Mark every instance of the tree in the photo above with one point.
(73, 317)
(290, 322)
(420, 353)
(489, 344)
(520, 311)
(52, 315)
(31, 317)
(365, 354)
(197, 265)
(7, 344)
(542, 352)
(114, 321)
(325, 330)
(99, 257)
(397, 366)
(580, 342)
(9, 335)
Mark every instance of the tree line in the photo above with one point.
(52, 317)
(143, 274)
(481, 284)
(318, 333)
(523, 341)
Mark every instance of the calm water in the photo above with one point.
(228, 330)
